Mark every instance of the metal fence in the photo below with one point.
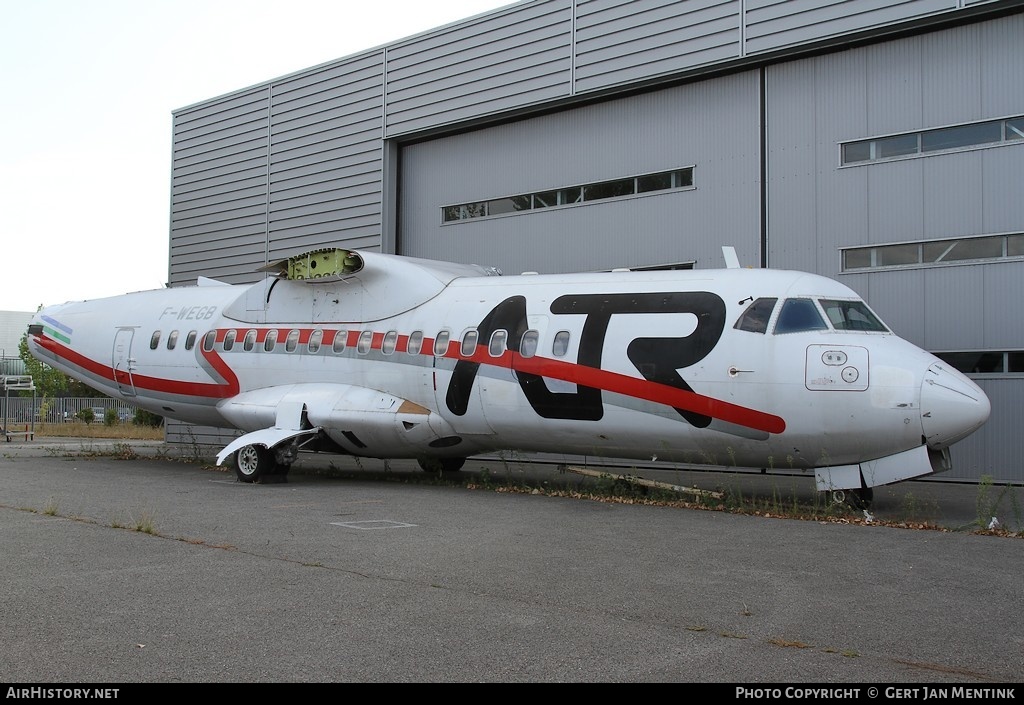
(21, 410)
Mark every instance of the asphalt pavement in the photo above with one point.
(123, 563)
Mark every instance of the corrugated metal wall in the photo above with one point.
(712, 125)
(513, 58)
(968, 73)
(219, 189)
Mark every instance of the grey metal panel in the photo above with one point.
(899, 298)
(218, 194)
(996, 448)
(1003, 290)
(1002, 75)
(514, 57)
(1002, 174)
(771, 24)
(619, 41)
(953, 195)
(953, 297)
(325, 160)
(893, 101)
(712, 125)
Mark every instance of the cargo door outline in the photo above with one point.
(123, 363)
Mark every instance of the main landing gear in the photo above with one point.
(257, 463)
(436, 466)
(856, 498)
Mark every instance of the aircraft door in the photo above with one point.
(123, 362)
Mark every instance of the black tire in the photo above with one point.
(436, 466)
(855, 498)
(253, 462)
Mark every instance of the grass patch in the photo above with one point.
(80, 429)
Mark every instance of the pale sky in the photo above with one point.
(87, 88)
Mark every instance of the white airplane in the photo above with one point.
(386, 356)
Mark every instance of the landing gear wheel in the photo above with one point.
(855, 499)
(438, 465)
(253, 462)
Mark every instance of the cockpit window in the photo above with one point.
(851, 315)
(755, 318)
(799, 315)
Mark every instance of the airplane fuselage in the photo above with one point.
(405, 359)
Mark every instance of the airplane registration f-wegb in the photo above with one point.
(387, 356)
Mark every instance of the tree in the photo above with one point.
(49, 382)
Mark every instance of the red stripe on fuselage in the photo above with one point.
(155, 384)
(545, 367)
(631, 387)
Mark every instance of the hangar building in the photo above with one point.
(880, 143)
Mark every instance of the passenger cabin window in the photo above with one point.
(190, 340)
(314, 341)
(292, 341)
(365, 342)
(755, 318)
(528, 345)
(390, 342)
(441, 343)
(229, 339)
(499, 340)
(208, 340)
(799, 315)
(415, 343)
(250, 341)
(271, 342)
(852, 315)
(154, 342)
(560, 345)
(469, 341)
(340, 339)
(172, 339)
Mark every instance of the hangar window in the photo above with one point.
(154, 341)
(415, 343)
(249, 342)
(570, 195)
(190, 340)
(932, 253)
(985, 362)
(172, 339)
(271, 342)
(973, 135)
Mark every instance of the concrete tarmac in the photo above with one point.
(124, 564)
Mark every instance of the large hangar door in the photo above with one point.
(711, 127)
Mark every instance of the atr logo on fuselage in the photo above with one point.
(656, 358)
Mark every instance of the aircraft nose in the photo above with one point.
(952, 406)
